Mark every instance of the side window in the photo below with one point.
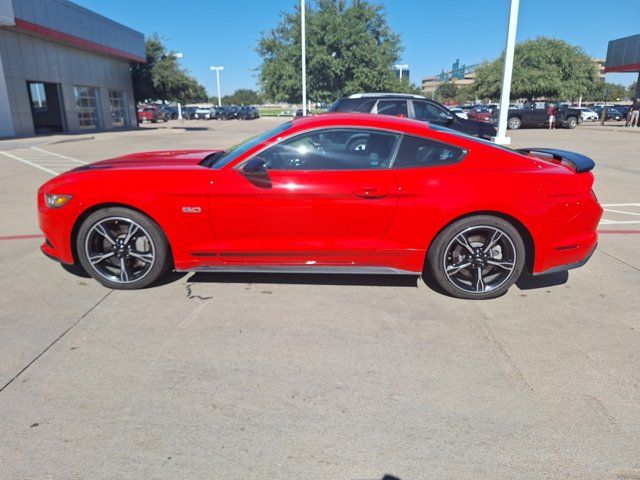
(393, 107)
(420, 152)
(366, 107)
(333, 149)
(427, 112)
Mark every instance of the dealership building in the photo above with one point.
(64, 68)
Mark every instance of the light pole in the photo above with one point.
(304, 58)
(179, 55)
(502, 138)
(400, 68)
(217, 69)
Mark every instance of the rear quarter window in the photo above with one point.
(420, 152)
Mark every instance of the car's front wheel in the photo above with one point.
(477, 257)
(572, 122)
(122, 248)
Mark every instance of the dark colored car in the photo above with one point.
(171, 113)
(412, 106)
(612, 113)
(248, 113)
(532, 115)
(188, 113)
(624, 109)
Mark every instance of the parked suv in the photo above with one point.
(412, 106)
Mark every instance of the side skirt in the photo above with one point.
(303, 269)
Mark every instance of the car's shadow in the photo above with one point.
(525, 282)
(531, 282)
(306, 279)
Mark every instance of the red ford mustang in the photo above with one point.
(346, 193)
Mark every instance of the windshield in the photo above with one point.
(219, 161)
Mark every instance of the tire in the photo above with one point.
(498, 268)
(514, 123)
(114, 237)
(572, 122)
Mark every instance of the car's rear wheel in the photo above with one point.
(514, 123)
(122, 248)
(477, 257)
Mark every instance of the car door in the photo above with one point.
(323, 197)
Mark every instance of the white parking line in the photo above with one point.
(50, 162)
(620, 204)
(621, 209)
(35, 165)
(57, 155)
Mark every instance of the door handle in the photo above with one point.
(371, 192)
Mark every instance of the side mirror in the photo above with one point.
(449, 118)
(255, 166)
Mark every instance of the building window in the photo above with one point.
(118, 107)
(87, 104)
(38, 97)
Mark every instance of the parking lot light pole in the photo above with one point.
(304, 58)
(502, 138)
(400, 68)
(179, 55)
(217, 69)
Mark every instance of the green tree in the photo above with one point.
(613, 91)
(447, 92)
(243, 96)
(631, 92)
(350, 48)
(161, 78)
(544, 67)
(466, 93)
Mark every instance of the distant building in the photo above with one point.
(64, 68)
(623, 55)
(460, 75)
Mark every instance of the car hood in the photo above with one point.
(164, 158)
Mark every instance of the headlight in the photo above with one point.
(56, 201)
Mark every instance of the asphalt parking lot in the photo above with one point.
(294, 376)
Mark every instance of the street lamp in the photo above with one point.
(179, 55)
(304, 58)
(501, 138)
(400, 68)
(217, 69)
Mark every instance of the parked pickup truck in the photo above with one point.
(530, 116)
(151, 114)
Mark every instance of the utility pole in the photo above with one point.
(304, 58)
(502, 138)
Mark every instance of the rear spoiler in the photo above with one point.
(580, 163)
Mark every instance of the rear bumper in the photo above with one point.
(570, 240)
(569, 266)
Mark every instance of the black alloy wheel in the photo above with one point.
(477, 257)
(122, 248)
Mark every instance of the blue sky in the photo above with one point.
(434, 32)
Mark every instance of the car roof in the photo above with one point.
(385, 94)
(360, 120)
